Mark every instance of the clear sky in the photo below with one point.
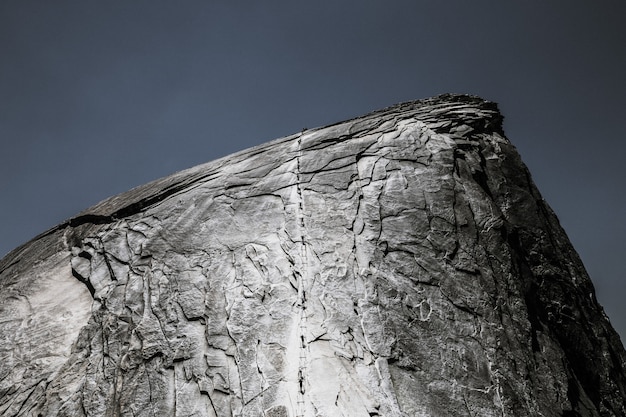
(97, 97)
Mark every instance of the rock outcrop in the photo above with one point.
(397, 264)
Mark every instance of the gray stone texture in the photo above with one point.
(397, 264)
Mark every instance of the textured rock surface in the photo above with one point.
(397, 264)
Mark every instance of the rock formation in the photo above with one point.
(397, 264)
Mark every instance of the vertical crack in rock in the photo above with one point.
(398, 264)
(302, 288)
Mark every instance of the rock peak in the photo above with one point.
(453, 107)
(401, 263)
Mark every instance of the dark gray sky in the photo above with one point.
(97, 97)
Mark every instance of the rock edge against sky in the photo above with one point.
(397, 264)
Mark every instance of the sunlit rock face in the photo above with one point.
(397, 264)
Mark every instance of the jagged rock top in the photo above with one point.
(447, 114)
(397, 264)
(444, 114)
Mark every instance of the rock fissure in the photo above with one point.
(302, 288)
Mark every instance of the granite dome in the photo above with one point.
(397, 264)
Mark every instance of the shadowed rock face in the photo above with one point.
(398, 264)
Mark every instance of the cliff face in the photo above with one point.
(398, 264)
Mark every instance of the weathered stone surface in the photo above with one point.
(398, 264)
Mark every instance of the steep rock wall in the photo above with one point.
(398, 264)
